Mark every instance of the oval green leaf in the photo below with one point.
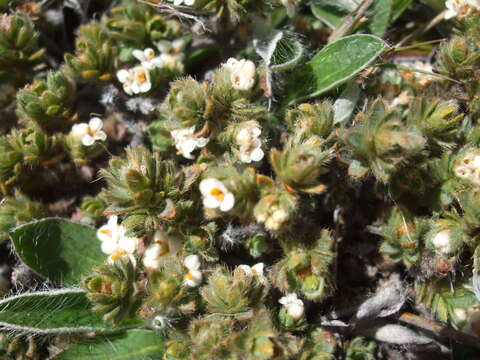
(132, 345)
(332, 66)
(58, 249)
(64, 311)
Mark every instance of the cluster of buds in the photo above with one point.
(96, 55)
(20, 54)
(49, 103)
(145, 188)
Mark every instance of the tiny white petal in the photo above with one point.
(193, 278)
(257, 154)
(123, 75)
(101, 135)
(87, 140)
(228, 202)
(95, 123)
(257, 269)
(109, 246)
(192, 262)
(139, 55)
(79, 130)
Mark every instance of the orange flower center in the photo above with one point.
(141, 78)
(217, 193)
(189, 276)
(165, 248)
(118, 254)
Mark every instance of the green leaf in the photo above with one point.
(65, 311)
(399, 7)
(332, 16)
(132, 345)
(60, 250)
(382, 10)
(332, 66)
(344, 106)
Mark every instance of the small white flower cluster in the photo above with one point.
(137, 79)
(186, 141)
(469, 168)
(181, 2)
(293, 305)
(442, 242)
(89, 133)
(216, 195)
(274, 219)
(162, 247)
(193, 277)
(250, 144)
(255, 270)
(115, 243)
(242, 73)
(460, 8)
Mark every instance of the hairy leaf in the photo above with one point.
(332, 66)
(65, 311)
(132, 345)
(60, 250)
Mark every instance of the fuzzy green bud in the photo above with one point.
(113, 290)
(95, 58)
(313, 119)
(236, 293)
(301, 162)
(145, 188)
(19, 50)
(48, 104)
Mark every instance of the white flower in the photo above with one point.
(250, 144)
(242, 73)
(274, 218)
(172, 52)
(147, 58)
(186, 141)
(163, 246)
(194, 276)
(442, 242)
(216, 195)
(89, 132)
(256, 269)
(293, 305)
(463, 172)
(114, 241)
(180, 2)
(136, 80)
(460, 8)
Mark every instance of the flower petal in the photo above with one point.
(87, 140)
(101, 135)
(257, 154)
(95, 123)
(228, 202)
(124, 76)
(139, 55)
(192, 262)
